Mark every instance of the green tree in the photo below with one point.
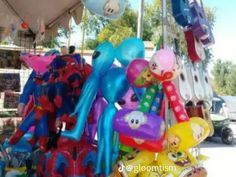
(126, 26)
(61, 34)
(52, 42)
(231, 81)
(116, 30)
(92, 24)
(91, 44)
(221, 72)
(116, 36)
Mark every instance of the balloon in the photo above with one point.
(142, 144)
(130, 49)
(164, 68)
(52, 52)
(23, 146)
(111, 9)
(24, 25)
(97, 109)
(114, 85)
(130, 100)
(65, 161)
(134, 163)
(145, 78)
(157, 103)
(2, 168)
(150, 173)
(139, 125)
(38, 63)
(148, 99)
(134, 69)
(186, 135)
(102, 60)
(163, 65)
(175, 101)
(179, 163)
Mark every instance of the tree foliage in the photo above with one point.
(63, 34)
(231, 81)
(224, 73)
(115, 31)
(91, 44)
(126, 26)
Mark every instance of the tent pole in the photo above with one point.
(140, 19)
(164, 23)
(164, 34)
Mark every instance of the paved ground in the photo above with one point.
(222, 162)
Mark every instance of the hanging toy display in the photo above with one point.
(110, 121)
(35, 86)
(102, 60)
(165, 68)
(126, 52)
(139, 128)
(116, 80)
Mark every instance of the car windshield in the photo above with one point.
(220, 107)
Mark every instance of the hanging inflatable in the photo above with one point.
(186, 135)
(36, 86)
(38, 63)
(111, 9)
(97, 109)
(129, 101)
(114, 80)
(130, 49)
(164, 67)
(134, 73)
(179, 164)
(131, 165)
(102, 59)
(139, 125)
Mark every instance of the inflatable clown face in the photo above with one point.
(164, 65)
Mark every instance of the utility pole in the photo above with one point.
(140, 19)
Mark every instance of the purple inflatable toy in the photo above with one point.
(139, 125)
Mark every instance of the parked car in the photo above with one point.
(222, 129)
(230, 102)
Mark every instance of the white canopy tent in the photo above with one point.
(44, 14)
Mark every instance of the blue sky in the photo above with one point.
(224, 30)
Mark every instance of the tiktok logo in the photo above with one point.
(121, 167)
(124, 169)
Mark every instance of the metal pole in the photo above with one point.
(140, 19)
(164, 23)
(164, 33)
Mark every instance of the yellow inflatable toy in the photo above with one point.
(186, 135)
(135, 163)
(179, 164)
(151, 171)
